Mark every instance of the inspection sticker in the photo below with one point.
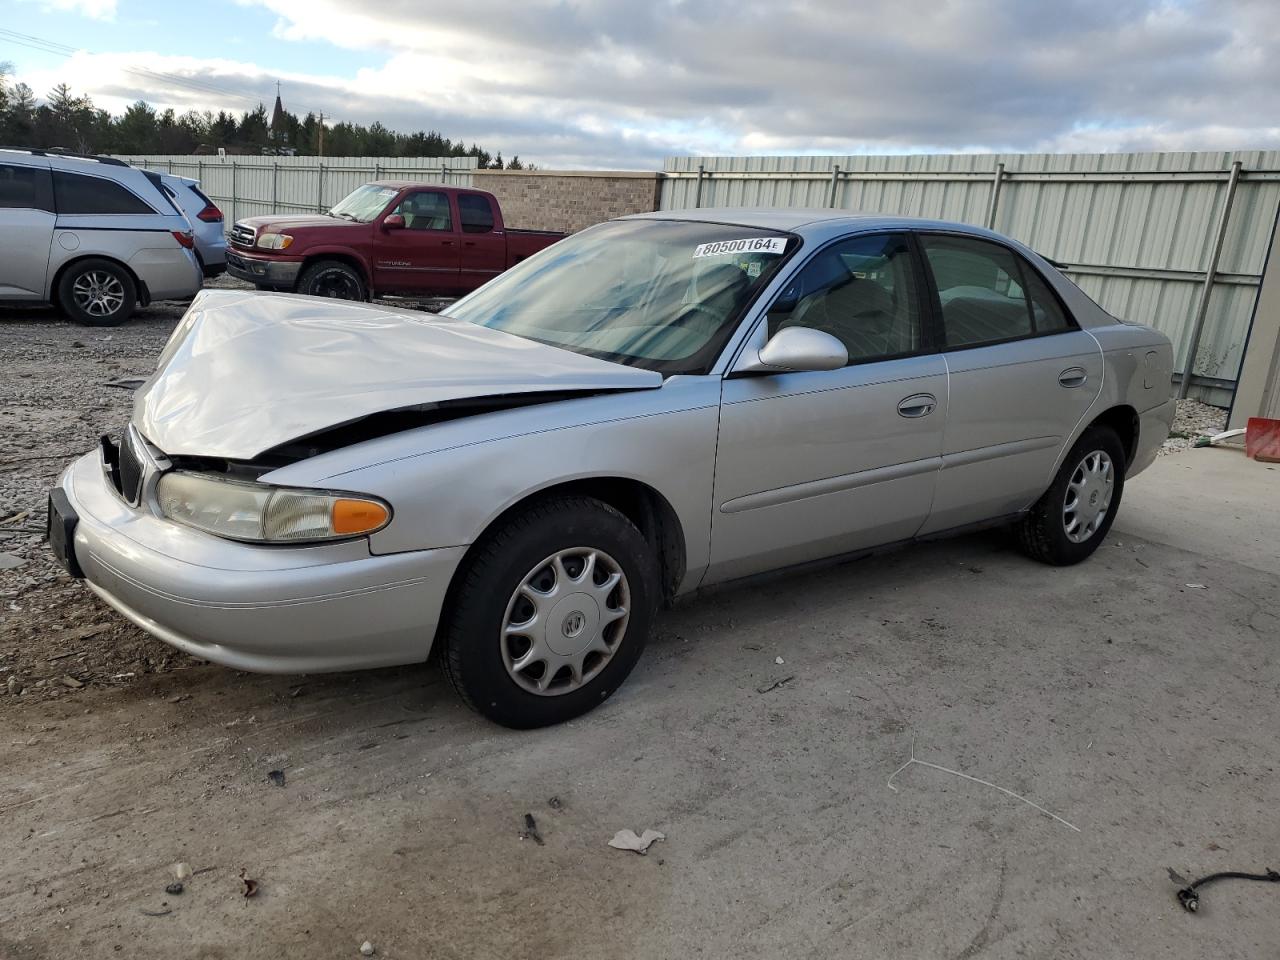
(722, 248)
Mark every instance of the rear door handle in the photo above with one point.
(1073, 377)
(917, 405)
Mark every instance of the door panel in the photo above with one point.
(812, 465)
(25, 236)
(1013, 406)
(425, 255)
(484, 249)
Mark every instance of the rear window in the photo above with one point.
(77, 194)
(476, 213)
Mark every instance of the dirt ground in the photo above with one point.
(1132, 697)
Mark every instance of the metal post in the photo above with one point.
(200, 171)
(320, 190)
(835, 185)
(444, 172)
(275, 187)
(377, 171)
(234, 205)
(996, 182)
(697, 190)
(170, 168)
(1210, 275)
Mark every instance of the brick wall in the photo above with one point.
(567, 200)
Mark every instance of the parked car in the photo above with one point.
(93, 236)
(389, 236)
(205, 219)
(654, 405)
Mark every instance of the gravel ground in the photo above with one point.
(56, 401)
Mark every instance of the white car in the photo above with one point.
(205, 219)
(93, 236)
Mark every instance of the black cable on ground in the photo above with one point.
(1190, 899)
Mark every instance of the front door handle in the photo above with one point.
(1073, 377)
(917, 405)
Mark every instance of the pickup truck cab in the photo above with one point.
(387, 237)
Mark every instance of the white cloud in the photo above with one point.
(620, 83)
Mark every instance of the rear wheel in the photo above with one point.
(551, 613)
(332, 278)
(1069, 522)
(97, 293)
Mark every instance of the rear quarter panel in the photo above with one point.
(522, 244)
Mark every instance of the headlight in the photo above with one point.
(274, 241)
(260, 513)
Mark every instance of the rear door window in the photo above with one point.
(979, 290)
(24, 188)
(475, 212)
(78, 194)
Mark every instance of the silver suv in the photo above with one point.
(93, 236)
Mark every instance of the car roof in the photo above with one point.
(812, 223)
(401, 184)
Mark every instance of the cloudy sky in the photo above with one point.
(624, 83)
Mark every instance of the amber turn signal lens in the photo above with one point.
(357, 516)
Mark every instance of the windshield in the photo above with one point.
(364, 203)
(660, 294)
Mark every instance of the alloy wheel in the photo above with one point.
(98, 293)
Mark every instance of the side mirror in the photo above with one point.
(798, 349)
(393, 221)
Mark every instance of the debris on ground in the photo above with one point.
(775, 685)
(627, 840)
(779, 661)
(174, 888)
(126, 383)
(367, 949)
(276, 777)
(1196, 586)
(530, 831)
(72, 682)
(9, 562)
(1193, 421)
(965, 776)
(182, 871)
(250, 885)
(1189, 896)
(155, 913)
(555, 803)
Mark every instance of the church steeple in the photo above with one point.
(279, 128)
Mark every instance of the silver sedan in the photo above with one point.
(654, 405)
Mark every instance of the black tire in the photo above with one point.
(332, 278)
(97, 293)
(1042, 533)
(472, 634)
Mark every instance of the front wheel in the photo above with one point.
(550, 614)
(1069, 522)
(332, 278)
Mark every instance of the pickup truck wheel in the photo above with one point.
(97, 293)
(1069, 522)
(332, 278)
(550, 613)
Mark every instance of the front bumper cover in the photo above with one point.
(268, 608)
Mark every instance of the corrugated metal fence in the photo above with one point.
(1160, 238)
(253, 186)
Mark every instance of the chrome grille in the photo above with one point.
(242, 235)
(131, 468)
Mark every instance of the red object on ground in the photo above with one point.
(1262, 439)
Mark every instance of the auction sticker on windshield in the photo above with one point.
(723, 248)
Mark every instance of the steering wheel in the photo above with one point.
(692, 309)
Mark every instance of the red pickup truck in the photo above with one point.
(389, 236)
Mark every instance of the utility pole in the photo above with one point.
(320, 134)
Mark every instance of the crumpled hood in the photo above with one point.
(245, 372)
